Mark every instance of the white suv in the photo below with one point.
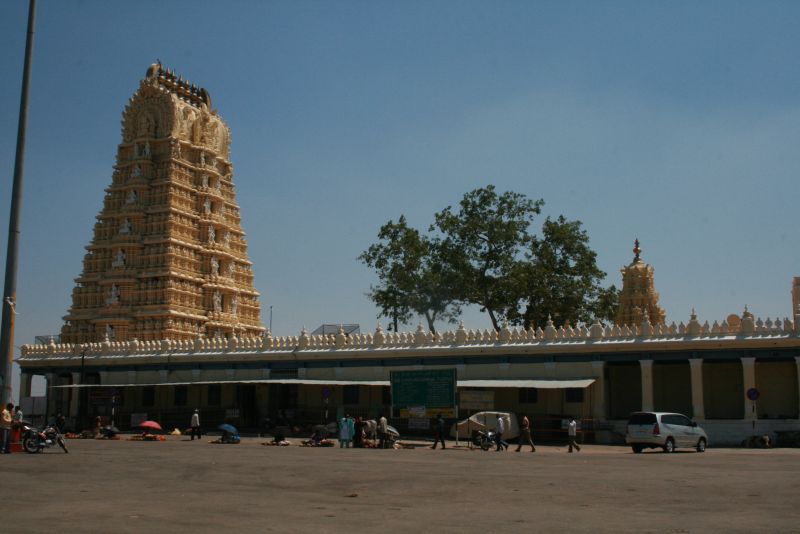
(664, 430)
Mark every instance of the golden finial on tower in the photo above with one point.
(636, 250)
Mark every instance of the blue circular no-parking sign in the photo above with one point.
(753, 394)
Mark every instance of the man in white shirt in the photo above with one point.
(382, 432)
(572, 431)
(498, 436)
(196, 425)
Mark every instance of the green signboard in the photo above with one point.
(424, 393)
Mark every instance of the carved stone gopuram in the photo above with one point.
(639, 299)
(168, 259)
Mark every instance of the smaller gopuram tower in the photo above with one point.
(638, 294)
(168, 259)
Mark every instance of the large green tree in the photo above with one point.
(413, 278)
(483, 253)
(561, 278)
(482, 245)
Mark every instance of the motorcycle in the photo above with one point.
(34, 440)
(485, 440)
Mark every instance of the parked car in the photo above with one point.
(664, 430)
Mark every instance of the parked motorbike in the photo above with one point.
(485, 440)
(34, 440)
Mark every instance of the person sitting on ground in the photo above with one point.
(228, 437)
(316, 438)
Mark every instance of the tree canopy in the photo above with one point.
(483, 243)
(483, 253)
(561, 278)
(411, 274)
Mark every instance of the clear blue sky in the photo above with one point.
(677, 122)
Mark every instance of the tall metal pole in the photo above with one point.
(10, 287)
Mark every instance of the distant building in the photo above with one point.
(333, 329)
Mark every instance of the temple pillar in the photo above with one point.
(698, 407)
(49, 381)
(646, 367)
(75, 396)
(599, 391)
(797, 364)
(24, 385)
(749, 381)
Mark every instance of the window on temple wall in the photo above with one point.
(573, 395)
(350, 394)
(148, 396)
(528, 395)
(214, 394)
(181, 394)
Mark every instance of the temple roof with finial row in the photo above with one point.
(189, 92)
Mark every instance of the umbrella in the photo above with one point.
(230, 429)
(150, 424)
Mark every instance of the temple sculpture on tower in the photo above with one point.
(168, 259)
(639, 298)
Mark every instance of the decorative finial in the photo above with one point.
(636, 250)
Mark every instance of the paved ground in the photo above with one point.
(180, 486)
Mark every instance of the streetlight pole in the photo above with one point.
(10, 287)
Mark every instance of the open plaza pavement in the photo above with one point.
(183, 486)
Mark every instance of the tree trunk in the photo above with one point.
(494, 319)
(431, 319)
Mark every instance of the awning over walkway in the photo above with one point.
(260, 381)
(533, 383)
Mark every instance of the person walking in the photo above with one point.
(498, 436)
(439, 431)
(6, 419)
(525, 434)
(351, 430)
(196, 425)
(382, 432)
(344, 433)
(572, 432)
(60, 422)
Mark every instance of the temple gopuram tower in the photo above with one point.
(168, 259)
(638, 294)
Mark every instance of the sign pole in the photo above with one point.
(457, 422)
